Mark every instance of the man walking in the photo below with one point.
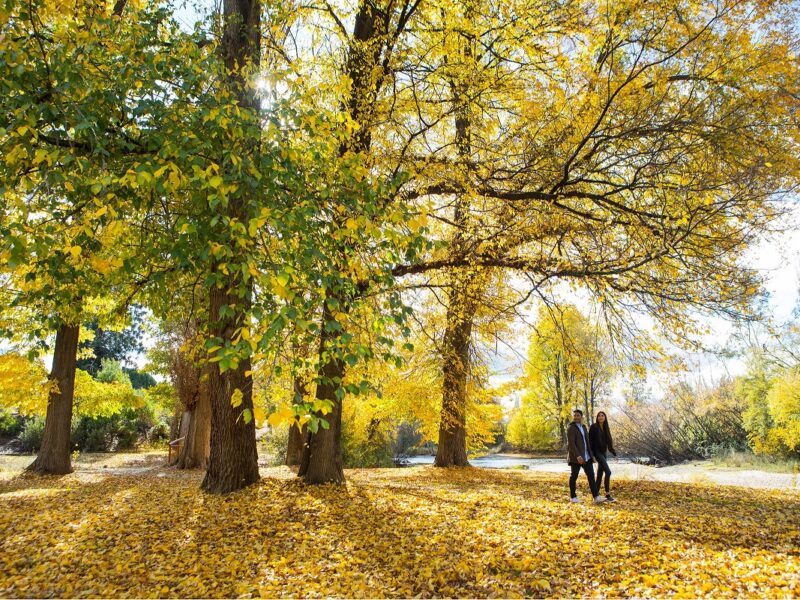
(580, 457)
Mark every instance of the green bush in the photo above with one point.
(10, 424)
(375, 450)
(140, 380)
(273, 445)
(30, 438)
(120, 431)
(528, 429)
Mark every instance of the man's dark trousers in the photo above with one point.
(573, 479)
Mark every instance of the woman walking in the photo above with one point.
(600, 441)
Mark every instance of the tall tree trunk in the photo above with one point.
(197, 443)
(463, 295)
(297, 436)
(233, 459)
(560, 402)
(452, 449)
(586, 404)
(54, 455)
(322, 455)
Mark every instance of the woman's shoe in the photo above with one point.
(599, 499)
(576, 500)
(610, 498)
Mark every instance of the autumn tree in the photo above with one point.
(178, 354)
(568, 366)
(641, 159)
(59, 226)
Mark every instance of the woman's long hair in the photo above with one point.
(604, 427)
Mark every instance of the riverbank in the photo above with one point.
(708, 472)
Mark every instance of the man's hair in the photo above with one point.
(578, 410)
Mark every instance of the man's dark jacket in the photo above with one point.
(575, 445)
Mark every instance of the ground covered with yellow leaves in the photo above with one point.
(393, 532)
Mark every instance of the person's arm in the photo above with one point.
(611, 446)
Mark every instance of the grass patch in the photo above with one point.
(748, 460)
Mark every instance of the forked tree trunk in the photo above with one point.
(233, 460)
(197, 442)
(322, 454)
(54, 454)
(297, 436)
(452, 450)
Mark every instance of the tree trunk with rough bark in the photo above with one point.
(54, 456)
(197, 441)
(452, 449)
(233, 459)
(297, 436)
(462, 301)
(322, 454)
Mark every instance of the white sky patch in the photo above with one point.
(777, 258)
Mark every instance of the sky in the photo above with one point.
(776, 257)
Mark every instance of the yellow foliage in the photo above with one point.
(99, 399)
(417, 532)
(784, 407)
(24, 386)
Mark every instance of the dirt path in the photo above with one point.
(89, 465)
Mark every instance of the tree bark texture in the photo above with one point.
(462, 301)
(452, 449)
(322, 456)
(54, 456)
(233, 459)
(297, 436)
(197, 441)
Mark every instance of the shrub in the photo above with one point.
(273, 445)
(689, 423)
(529, 429)
(120, 431)
(30, 438)
(371, 447)
(139, 380)
(10, 424)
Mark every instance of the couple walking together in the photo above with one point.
(585, 447)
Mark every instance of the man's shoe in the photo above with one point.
(610, 498)
(576, 500)
(599, 500)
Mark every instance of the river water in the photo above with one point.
(501, 461)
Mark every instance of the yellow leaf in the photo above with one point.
(284, 414)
